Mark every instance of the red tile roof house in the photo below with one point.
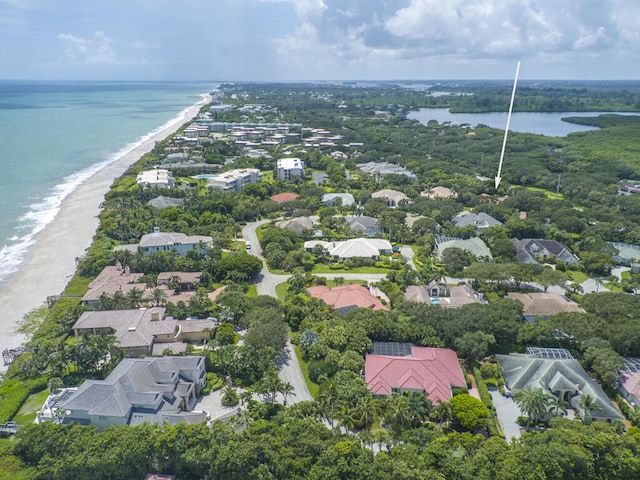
(434, 371)
(347, 297)
(281, 198)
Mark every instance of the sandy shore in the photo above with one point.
(51, 262)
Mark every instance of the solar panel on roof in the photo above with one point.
(631, 365)
(550, 353)
(394, 349)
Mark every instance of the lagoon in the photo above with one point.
(542, 123)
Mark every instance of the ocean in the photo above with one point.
(55, 135)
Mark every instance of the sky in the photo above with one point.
(294, 40)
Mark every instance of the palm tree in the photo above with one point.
(588, 404)
(442, 413)
(366, 409)
(327, 400)
(533, 403)
(287, 389)
(347, 418)
(158, 296)
(419, 407)
(135, 297)
(397, 414)
(557, 405)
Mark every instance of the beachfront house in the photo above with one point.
(145, 331)
(169, 242)
(139, 390)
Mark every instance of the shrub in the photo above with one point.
(459, 390)
(491, 382)
(320, 368)
(230, 397)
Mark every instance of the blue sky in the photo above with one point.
(288, 40)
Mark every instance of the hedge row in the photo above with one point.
(492, 422)
(14, 392)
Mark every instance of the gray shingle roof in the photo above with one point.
(529, 249)
(522, 370)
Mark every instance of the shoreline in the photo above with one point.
(51, 262)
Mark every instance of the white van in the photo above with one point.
(248, 244)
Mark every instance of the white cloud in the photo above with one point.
(94, 51)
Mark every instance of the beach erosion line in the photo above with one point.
(44, 260)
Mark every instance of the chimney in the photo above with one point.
(156, 230)
(155, 316)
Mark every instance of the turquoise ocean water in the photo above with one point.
(55, 135)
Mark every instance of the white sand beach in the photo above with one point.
(50, 264)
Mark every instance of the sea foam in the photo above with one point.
(43, 212)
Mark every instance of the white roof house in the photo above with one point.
(392, 198)
(331, 199)
(354, 248)
(155, 178)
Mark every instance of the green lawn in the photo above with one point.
(548, 193)
(577, 276)
(313, 388)
(29, 410)
(321, 268)
(252, 292)
(281, 290)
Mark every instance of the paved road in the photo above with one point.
(266, 282)
(508, 413)
(408, 254)
(288, 364)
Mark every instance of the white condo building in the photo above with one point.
(235, 180)
(289, 168)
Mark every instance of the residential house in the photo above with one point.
(347, 297)
(532, 250)
(155, 178)
(480, 220)
(353, 248)
(474, 246)
(543, 304)
(110, 280)
(558, 374)
(185, 281)
(629, 381)
(165, 202)
(626, 254)
(384, 168)
(363, 225)
(439, 193)
(298, 224)
(337, 199)
(446, 296)
(392, 198)
(290, 168)
(234, 180)
(140, 390)
(169, 242)
(399, 368)
(142, 331)
(281, 198)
